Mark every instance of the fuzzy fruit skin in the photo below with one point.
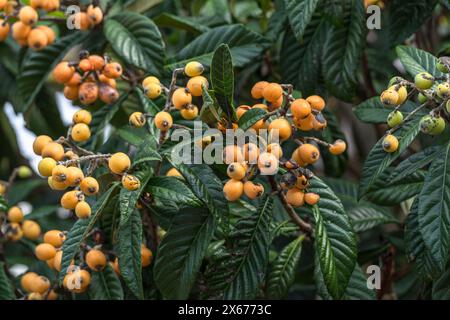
(316, 102)
(338, 147)
(253, 190)
(15, 214)
(96, 260)
(82, 116)
(28, 15)
(37, 39)
(389, 97)
(283, 127)
(70, 199)
(163, 121)
(443, 90)
(153, 90)
(439, 127)
(150, 79)
(59, 173)
(53, 150)
(233, 190)
(74, 176)
(55, 237)
(97, 62)
(80, 132)
(267, 163)
(45, 166)
(295, 197)
(95, 14)
(306, 124)
(113, 70)
(40, 285)
(441, 66)
(31, 230)
(27, 279)
(402, 93)
(195, 85)
(390, 143)
(89, 186)
(71, 93)
(189, 113)
(83, 210)
(394, 119)
(180, 98)
(88, 93)
(272, 92)
(63, 72)
(193, 69)
(55, 185)
(146, 257)
(236, 171)
(232, 154)
(137, 119)
(427, 124)
(108, 94)
(257, 89)
(119, 163)
(130, 182)
(300, 108)
(311, 198)
(424, 80)
(309, 153)
(45, 251)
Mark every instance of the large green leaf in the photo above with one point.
(415, 61)
(6, 288)
(222, 80)
(81, 229)
(378, 160)
(105, 285)
(249, 118)
(283, 270)
(300, 13)
(343, 49)
(434, 208)
(405, 17)
(335, 242)
(37, 66)
(441, 289)
(373, 111)
(357, 287)
(137, 40)
(245, 45)
(184, 23)
(181, 252)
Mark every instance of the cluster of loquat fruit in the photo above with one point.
(91, 78)
(26, 30)
(431, 92)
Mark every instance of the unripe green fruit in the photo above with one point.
(432, 125)
(443, 90)
(439, 127)
(395, 80)
(440, 65)
(24, 172)
(394, 118)
(422, 98)
(424, 80)
(447, 106)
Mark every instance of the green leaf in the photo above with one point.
(415, 61)
(210, 112)
(343, 49)
(137, 40)
(37, 66)
(283, 270)
(250, 117)
(378, 160)
(105, 285)
(184, 23)
(222, 80)
(21, 189)
(245, 46)
(181, 252)
(81, 229)
(300, 13)
(406, 17)
(145, 153)
(441, 290)
(434, 208)
(335, 243)
(6, 288)
(357, 287)
(373, 111)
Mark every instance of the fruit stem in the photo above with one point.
(84, 158)
(173, 83)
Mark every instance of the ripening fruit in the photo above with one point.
(180, 98)
(96, 260)
(395, 80)
(288, 180)
(95, 14)
(14, 232)
(338, 147)
(74, 176)
(389, 97)
(75, 81)
(302, 182)
(253, 190)
(82, 116)
(195, 85)
(39, 285)
(427, 124)
(424, 80)
(153, 90)
(88, 93)
(309, 153)
(97, 62)
(89, 186)
(83, 210)
(261, 124)
(241, 110)
(55, 237)
(59, 173)
(163, 121)
(232, 153)
(146, 256)
(150, 79)
(50, 5)
(49, 33)
(257, 89)
(70, 199)
(441, 65)
(53, 150)
(63, 72)
(85, 65)
(190, 112)
(4, 29)
(422, 98)
(3, 4)
(250, 152)
(71, 93)
(272, 92)
(282, 126)
(80, 132)
(390, 143)
(108, 94)
(27, 279)
(45, 251)
(31, 230)
(402, 93)
(119, 163)
(439, 127)
(305, 124)
(20, 31)
(77, 281)
(57, 259)
(15, 214)
(267, 163)
(276, 104)
(193, 69)
(130, 182)
(2, 188)
(24, 172)
(394, 119)
(111, 82)
(54, 185)
(45, 166)
(236, 171)
(311, 198)
(233, 189)
(295, 197)
(275, 149)
(137, 119)
(113, 70)
(173, 172)
(316, 102)
(443, 90)
(28, 15)
(300, 108)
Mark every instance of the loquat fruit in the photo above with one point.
(181, 97)
(338, 147)
(14, 232)
(395, 118)
(389, 97)
(71, 93)
(195, 85)
(49, 33)
(55, 237)
(31, 230)
(250, 152)
(45, 251)
(96, 260)
(85, 65)
(119, 163)
(302, 182)
(83, 210)
(82, 116)
(390, 143)
(15, 214)
(257, 89)
(146, 256)
(316, 102)
(190, 112)
(295, 197)
(54, 185)
(402, 93)
(424, 80)
(253, 190)
(443, 90)
(232, 153)
(53, 150)
(59, 173)
(153, 90)
(88, 93)
(233, 189)
(193, 69)
(4, 29)
(236, 171)
(80, 132)
(108, 94)
(173, 172)
(113, 70)
(95, 14)
(74, 176)
(137, 119)
(57, 260)
(28, 15)
(163, 121)
(70, 199)
(272, 92)
(309, 153)
(241, 110)
(130, 182)
(267, 163)
(150, 79)
(45, 166)
(311, 198)
(306, 124)
(282, 127)
(63, 72)
(74, 81)
(40, 285)
(27, 279)
(300, 108)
